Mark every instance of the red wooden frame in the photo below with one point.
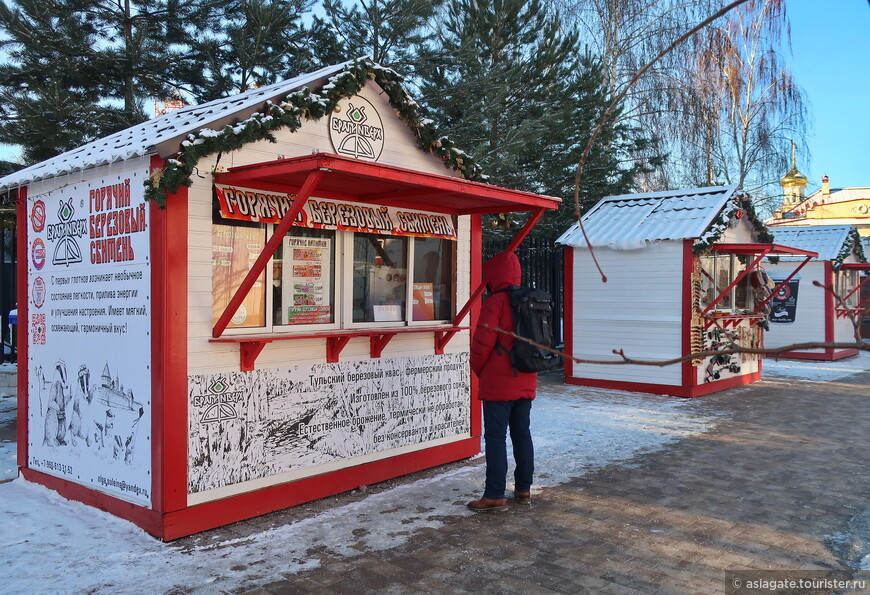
(689, 373)
(250, 346)
(568, 309)
(697, 390)
(23, 338)
(169, 261)
(377, 183)
(759, 251)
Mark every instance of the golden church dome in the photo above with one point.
(793, 178)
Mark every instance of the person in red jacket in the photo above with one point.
(506, 393)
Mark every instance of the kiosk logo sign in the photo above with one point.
(219, 403)
(67, 250)
(356, 129)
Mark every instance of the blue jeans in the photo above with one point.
(498, 416)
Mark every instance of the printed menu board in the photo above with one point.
(306, 284)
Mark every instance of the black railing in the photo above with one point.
(542, 264)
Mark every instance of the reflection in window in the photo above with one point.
(303, 286)
(433, 279)
(380, 277)
(846, 282)
(717, 273)
(234, 249)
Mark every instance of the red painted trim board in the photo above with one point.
(476, 280)
(235, 508)
(568, 308)
(23, 293)
(689, 373)
(829, 354)
(145, 518)
(663, 389)
(829, 305)
(169, 262)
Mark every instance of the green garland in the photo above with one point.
(852, 244)
(723, 221)
(290, 113)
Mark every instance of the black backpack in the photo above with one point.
(533, 320)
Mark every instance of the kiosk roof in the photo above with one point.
(631, 221)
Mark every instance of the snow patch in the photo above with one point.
(815, 370)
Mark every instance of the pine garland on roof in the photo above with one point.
(852, 244)
(741, 202)
(290, 113)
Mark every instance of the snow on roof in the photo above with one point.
(827, 240)
(142, 139)
(632, 221)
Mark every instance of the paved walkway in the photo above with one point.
(771, 487)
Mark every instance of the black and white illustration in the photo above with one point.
(253, 425)
(101, 416)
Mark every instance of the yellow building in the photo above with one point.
(826, 206)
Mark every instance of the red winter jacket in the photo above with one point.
(493, 366)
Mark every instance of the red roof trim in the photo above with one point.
(762, 248)
(377, 183)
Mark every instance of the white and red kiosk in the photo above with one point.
(805, 310)
(293, 324)
(679, 269)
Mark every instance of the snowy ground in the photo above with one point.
(51, 545)
(816, 371)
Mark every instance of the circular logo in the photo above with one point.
(37, 216)
(784, 293)
(356, 129)
(240, 316)
(38, 291)
(37, 254)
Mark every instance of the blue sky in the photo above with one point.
(831, 61)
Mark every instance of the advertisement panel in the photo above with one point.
(252, 425)
(89, 335)
(266, 206)
(234, 250)
(783, 305)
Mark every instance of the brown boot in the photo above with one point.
(487, 504)
(523, 498)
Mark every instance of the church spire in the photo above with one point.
(793, 183)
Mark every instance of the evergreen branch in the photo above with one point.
(290, 113)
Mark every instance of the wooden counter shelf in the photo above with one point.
(250, 346)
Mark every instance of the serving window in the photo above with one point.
(718, 271)
(845, 282)
(326, 274)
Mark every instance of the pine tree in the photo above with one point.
(390, 32)
(510, 85)
(81, 69)
(258, 43)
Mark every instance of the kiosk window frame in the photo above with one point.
(340, 288)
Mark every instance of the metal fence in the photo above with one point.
(7, 285)
(542, 265)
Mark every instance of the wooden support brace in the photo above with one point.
(378, 342)
(334, 345)
(248, 353)
(441, 340)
